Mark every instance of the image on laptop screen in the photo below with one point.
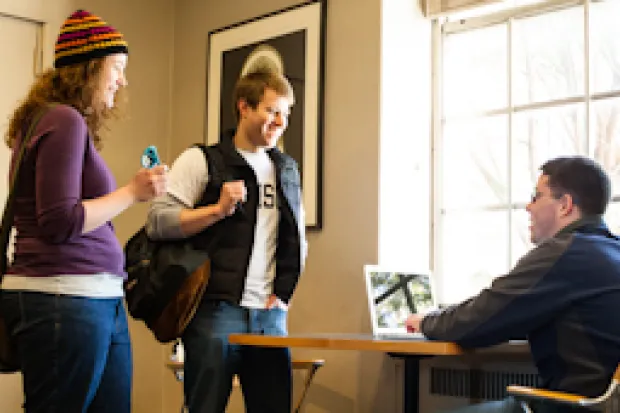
(394, 295)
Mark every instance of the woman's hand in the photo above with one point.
(149, 183)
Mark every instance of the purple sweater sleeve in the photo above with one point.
(61, 142)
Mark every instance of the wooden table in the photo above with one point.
(412, 350)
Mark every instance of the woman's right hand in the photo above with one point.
(149, 183)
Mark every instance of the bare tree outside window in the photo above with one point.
(398, 294)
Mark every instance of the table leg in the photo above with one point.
(411, 385)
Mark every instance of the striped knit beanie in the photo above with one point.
(85, 36)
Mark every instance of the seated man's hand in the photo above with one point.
(413, 322)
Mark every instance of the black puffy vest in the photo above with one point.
(230, 240)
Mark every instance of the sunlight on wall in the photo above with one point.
(404, 206)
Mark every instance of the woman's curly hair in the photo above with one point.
(74, 85)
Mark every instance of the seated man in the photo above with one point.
(563, 295)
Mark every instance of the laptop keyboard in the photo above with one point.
(402, 336)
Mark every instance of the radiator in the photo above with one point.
(448, 383)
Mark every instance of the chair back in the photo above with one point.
(616, 377)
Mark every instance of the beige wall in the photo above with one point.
(52, 13)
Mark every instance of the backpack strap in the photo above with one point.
(217, 168)
(7, 216)
(215, 162)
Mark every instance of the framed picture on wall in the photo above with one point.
(291, 41)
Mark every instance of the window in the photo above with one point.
(517, 88)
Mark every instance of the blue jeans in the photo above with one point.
(510, 405)
(75, 352)
(211, 361)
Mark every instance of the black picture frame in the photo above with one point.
(293, 40)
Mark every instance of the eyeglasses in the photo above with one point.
(537, 195)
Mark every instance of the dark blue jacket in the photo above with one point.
(564, 296)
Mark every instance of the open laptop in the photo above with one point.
(395, 294)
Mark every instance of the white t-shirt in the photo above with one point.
(187, 181)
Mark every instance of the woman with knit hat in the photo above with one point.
(62, 294)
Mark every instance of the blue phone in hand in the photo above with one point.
(150, 158)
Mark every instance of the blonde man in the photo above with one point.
(249, 217)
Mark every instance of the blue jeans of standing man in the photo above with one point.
(74, 351)
(211, 361)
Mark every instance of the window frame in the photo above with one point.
(442, 27)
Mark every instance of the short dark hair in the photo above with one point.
(251, 88)
(582, 178)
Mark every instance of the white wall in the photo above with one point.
(405, 145)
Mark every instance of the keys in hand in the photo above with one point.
(150, 157)
(149, 183)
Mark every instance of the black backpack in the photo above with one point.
(166, 279)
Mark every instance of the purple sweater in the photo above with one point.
(61, 168)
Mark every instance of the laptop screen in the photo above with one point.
(394, 295)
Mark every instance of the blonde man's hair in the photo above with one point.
(251, 88)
